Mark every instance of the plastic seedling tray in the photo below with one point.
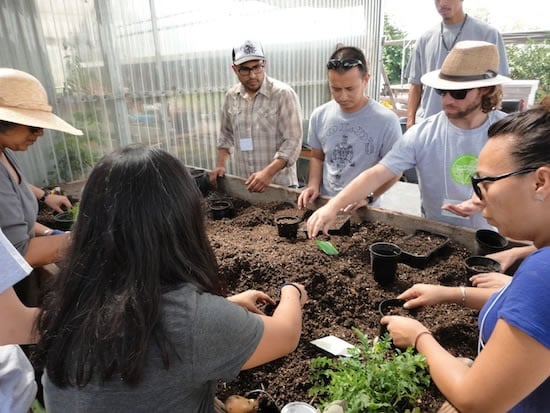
(342, 225)
(417, 249)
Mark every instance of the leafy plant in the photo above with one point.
(376, 378)
(73, 211)
(531, 61)
(392, 56)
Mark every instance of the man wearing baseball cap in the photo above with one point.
(444, 147)
(261, 124)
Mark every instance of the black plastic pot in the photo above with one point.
(63, 221)
(221, 208)
(478, 264)
(489, 241)
(384, 257)
(287, 226)
(202, 180)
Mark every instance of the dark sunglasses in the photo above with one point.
(476, 180)
(345, 63)
(34, 129)
(455, 94)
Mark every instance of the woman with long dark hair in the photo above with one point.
(136, 319)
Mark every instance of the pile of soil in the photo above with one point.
(342, 292)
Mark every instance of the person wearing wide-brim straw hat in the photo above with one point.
(443, 148)
(24, 114)
(471, 64)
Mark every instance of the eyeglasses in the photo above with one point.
(455, 94)
(476, 180)
(345, 63)
(245, 71)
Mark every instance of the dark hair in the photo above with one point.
(350, 52)
(140, 233)
(530, 130)
(6, 126)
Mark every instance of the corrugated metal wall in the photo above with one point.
(156, 71)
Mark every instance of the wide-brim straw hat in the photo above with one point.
(23, 100)
(469, 65)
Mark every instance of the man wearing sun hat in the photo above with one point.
(444, 147)
(261, 124)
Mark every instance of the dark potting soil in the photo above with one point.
(342, 293)
(421, 242)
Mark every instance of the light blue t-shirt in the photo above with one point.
(524, 304)
(351, 142)
(445, 157)
(14, 267)
(429, 54)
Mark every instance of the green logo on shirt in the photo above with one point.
(462, 168)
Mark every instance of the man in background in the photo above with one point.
(348, 134)
(433, 46)
(443, 148)
(261, 124)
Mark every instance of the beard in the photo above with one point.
(453, 113)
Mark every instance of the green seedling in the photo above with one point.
(73, 211)
(376, 378)
(327, 247)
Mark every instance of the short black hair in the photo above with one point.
(351, 53)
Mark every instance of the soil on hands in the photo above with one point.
(342, 292)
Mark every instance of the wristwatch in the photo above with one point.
(370, 198)
(44, 195)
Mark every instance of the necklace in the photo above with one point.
(457, 35)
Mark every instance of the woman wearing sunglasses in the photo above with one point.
(24, 114)
(511, 371)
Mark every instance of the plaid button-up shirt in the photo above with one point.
(272, 120)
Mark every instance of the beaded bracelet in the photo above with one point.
(294, 285)
(420, 335)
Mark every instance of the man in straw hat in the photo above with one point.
(444, 147)
(24, 114)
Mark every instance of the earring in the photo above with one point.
(539, 198)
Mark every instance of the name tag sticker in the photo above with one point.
(245, 144)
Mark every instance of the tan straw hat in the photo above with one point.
(23, 100)
(470, 64)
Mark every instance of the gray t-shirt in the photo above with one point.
(351, 142)
(213, 337)
(18, 207)
(445, 157)
(429, 54)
